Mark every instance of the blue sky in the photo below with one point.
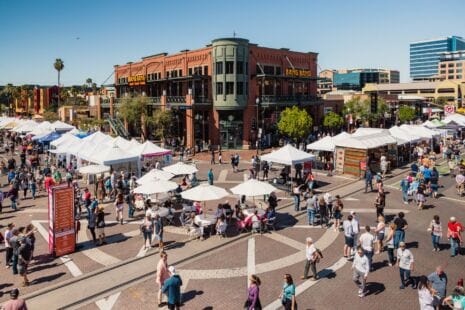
(357, 33)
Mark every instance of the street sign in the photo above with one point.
(449, 109)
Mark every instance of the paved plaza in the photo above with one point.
(120, 275)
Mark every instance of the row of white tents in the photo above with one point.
(26, 126)
(370, 138)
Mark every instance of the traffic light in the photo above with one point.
(374, 103)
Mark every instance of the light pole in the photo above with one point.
(257, 102)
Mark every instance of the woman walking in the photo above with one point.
(288, 293)
(33, 187)
(379, 232)
(338, 206)
(436, 232)
(426, 294)
(253, 297)
(390, 243)
(323, 212)
(119, 206)
(101, 226)
(380, 203)
(147, 230)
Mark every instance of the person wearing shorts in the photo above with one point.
(348, 236)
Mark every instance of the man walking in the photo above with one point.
(172, 286)
(438, 280)
(404, 186)
(366, 242)
(348, 236)
(360, 267)
(15, 303)
(311, 208)
(406, 265)
(210, 176)
(454, 229)
(368, 180)
(312, 259)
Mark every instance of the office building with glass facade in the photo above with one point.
(451, 66)
(425, 55)
(355, 79)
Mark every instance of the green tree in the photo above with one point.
(59, 65)
(88, 82)
(50, 116)
(64, 94)
(406, 114)
(442, 101)
(134, 111)
(161, 122)
(74, 92)
(295, 123)
(333, 120)
(361, 110)
(9, 92)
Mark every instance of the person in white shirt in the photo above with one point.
(366, 242)
(348, 236)
(360, 267)
(313, 257)
(355, 228)
(406, 264)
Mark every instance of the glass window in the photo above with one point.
(247, 88)
(278, 70)
(451, 64)
(180, 72)
(443, 71)
(167, 74)
(269, 70)
(205, 70)
(450, 77)
(219, 88)
(190, 71)
(458, 70)
(443, 65)
(229, 68)
(450, 71)
(240, 88)
(239, 67)
(459, 77)
(219, 67)
(229, 88)
(459, 65)
(246, 68)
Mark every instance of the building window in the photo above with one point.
(219, 67)
(278, 70)
(229, 88)
(458, 71)
(269, 70)
(443, 71)
(219, 88)
(180, 72)
(246, 68)
(459, 65)
(450, 71)
(229, 68)
(459, 77)
(240, 88)
(443, 65)
(246, 88)
(205, 70)
(451, 64)
(239, 67)
(190, 71)
(168, 74)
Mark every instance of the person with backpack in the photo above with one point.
(313, 256)
(172, 286)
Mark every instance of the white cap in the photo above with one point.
(453, 219)
(172, 270)
(309, 239)
(352, 212)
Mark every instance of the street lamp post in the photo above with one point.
(257, 102)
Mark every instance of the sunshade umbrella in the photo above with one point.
(205, 192)
(253, 188)
(181, 168)
(94, 169)
(156, 187)
(155, 174)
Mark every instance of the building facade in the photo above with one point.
(451, 66)
(356, 79)
(229, 93)
(425, 55)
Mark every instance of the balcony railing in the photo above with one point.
(288, 99)
(176, 99)
(202, 100)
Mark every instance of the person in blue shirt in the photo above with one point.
(11, 176)
(368, 180)
(288, 293)
(404, 185)
(438, 280)
(172, 286)
(414, 168)
(210, 176)
(427, 175)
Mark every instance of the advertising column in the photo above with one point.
(62, 238)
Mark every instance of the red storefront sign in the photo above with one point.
(62, 239)
(363, 165)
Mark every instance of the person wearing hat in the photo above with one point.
(406, 265)
(172, 287)
(101, 225)
(15, 303)
(454, 229)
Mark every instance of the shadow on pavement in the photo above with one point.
(187, 296)
(374, 288)
(48, 278)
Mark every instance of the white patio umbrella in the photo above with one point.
(253, 188)
(155, 174)
(94, 169)
(205, 192)
(181, 168)
(156, 187)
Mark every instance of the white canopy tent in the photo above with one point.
(400, 133)
(181, 168)
(366, 131)
(26, 126)
(94, 169)
(204, 192)
(252, 188)
(61, 126)
(155, 174)
(149, 149)
(457, 118)
(43, 128)
(65, 138)
(421, 131)
(366, 142)
(327, 143)
(98, 138)
(156, 187)
(288, 155)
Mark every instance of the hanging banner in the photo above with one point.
(62, 237)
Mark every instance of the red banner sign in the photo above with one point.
(62, 239)
(363, 165)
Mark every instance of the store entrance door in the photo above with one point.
(231, 136)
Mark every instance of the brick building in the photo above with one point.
(229, 93)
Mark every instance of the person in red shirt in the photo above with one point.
(48, 182)
(454, 229)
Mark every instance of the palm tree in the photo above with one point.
(94, 88)
(59, 65)
(89, 82)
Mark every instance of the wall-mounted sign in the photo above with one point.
(449, 109)
(298, 72)
(136, 80)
